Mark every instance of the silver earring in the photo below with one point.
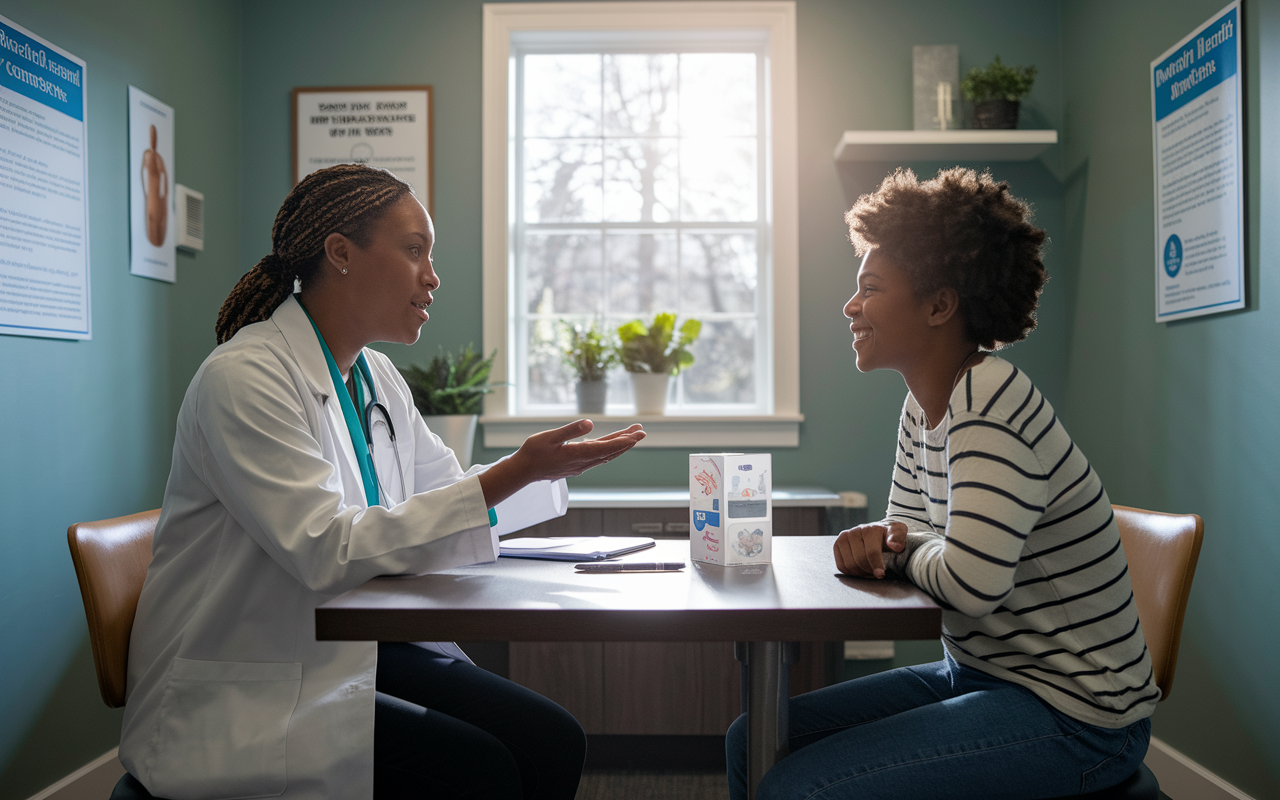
(344, 272)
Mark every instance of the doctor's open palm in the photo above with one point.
(552, 454)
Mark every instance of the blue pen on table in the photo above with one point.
(631, 566)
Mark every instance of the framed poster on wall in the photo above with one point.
(152, 235)
(44, 188)
(382, 126)
(1198, 147)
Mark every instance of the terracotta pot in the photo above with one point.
(591, 395)
(996, 114)
(458, 431)
(650, 392)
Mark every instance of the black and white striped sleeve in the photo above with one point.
(998, 491)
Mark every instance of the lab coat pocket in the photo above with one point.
(222, 729)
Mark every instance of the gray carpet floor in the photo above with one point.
(637, 785)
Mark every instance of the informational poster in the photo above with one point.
(44, 189)
(382, 126)
(1199, 182)
(152, 229)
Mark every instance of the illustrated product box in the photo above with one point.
(731, 508)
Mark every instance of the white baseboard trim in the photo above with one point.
(868, 650)
(93, 781)
(1180, 778)
(1183, 779)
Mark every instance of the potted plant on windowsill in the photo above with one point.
(996, 93)
(448, 394)
(590, 353)
(651, 357)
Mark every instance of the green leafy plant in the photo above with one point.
(998, 82)
(649, 348)
(590, 352)
(450, 384)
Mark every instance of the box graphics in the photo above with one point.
(731, 508)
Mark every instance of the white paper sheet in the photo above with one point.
(537, 502)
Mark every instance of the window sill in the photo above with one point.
(778, 430)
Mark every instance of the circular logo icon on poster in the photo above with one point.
(1173, 256)
(361, 153)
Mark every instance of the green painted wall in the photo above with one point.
(854, 72)
(1164, 411)
(86, 428)
(1179, 416)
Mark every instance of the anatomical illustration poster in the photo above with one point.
(151, 224)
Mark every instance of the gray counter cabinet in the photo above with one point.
(660, 688)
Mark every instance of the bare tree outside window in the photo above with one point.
(638, 191)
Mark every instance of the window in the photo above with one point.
(631, 170)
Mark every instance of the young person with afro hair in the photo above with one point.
(1046, 687)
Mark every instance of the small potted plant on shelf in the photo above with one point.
(651, 357)
(448, 394)
(590, 353)
(996, 93)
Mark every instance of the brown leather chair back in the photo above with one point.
(111, 558)
(1162, 550)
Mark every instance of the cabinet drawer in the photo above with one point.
(655, 688)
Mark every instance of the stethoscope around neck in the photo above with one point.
(368, 420)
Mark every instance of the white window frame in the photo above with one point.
(777, 21)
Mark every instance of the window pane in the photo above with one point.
(618, 154)
(550, 379)
(562, 95)
(562, 273)
(640, 94)
(724, 366)
(642, 273)
(719, 272)
(640, 180)
(562, 180)
(718, 180)
(718, 94)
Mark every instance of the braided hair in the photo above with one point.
(346, 199)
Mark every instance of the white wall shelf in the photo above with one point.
(959, 145)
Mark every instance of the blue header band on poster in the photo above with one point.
(34, 70)
(1201, 64)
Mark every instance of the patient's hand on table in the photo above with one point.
(859, 551)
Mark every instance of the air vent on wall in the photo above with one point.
(190, 218)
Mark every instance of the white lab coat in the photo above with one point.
(264, 518)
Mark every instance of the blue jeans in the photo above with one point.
(940, 731)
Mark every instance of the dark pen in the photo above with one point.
(632, 566)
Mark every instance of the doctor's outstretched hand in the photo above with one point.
(552, 454)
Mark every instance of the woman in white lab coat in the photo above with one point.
(301, 469)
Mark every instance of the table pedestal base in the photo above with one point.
(766, 692)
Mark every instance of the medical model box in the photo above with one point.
(730, 508)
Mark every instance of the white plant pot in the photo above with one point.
(650, 392)
(591, 396)
(458, 431)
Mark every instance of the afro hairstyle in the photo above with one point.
(960, 230)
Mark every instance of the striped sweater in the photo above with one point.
(1011, 532)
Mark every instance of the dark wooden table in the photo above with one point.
(799, 597)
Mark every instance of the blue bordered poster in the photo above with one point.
(44, 189)
(1199, 184)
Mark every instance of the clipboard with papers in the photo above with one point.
(574, 548)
